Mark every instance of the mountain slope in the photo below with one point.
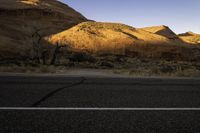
(97, 37)
(20, 19)
(161, 30)
(190, 37)
(51, 5)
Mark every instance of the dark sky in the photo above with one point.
(179, 15)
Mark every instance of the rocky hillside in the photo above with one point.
(24, 21)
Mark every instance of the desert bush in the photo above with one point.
(107, 64)
(81, 57)
(167, 69)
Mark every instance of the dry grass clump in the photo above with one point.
(161, 68)
(119, 64)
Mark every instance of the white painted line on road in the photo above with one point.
(98, 109)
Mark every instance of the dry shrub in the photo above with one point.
(82, 57)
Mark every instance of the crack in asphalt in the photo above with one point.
(52, 93)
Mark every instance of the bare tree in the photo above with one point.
(39, 52)
(44, 53)
(56, 52)
(36, 38)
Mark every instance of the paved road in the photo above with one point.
(54, 96)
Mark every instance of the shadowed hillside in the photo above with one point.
(164, 31)
(21, 20)
(161, 30)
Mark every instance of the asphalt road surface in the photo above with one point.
(49, 104)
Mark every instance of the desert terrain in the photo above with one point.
(45, 36)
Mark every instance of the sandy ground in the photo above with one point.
(99, 73)
(75, 73)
